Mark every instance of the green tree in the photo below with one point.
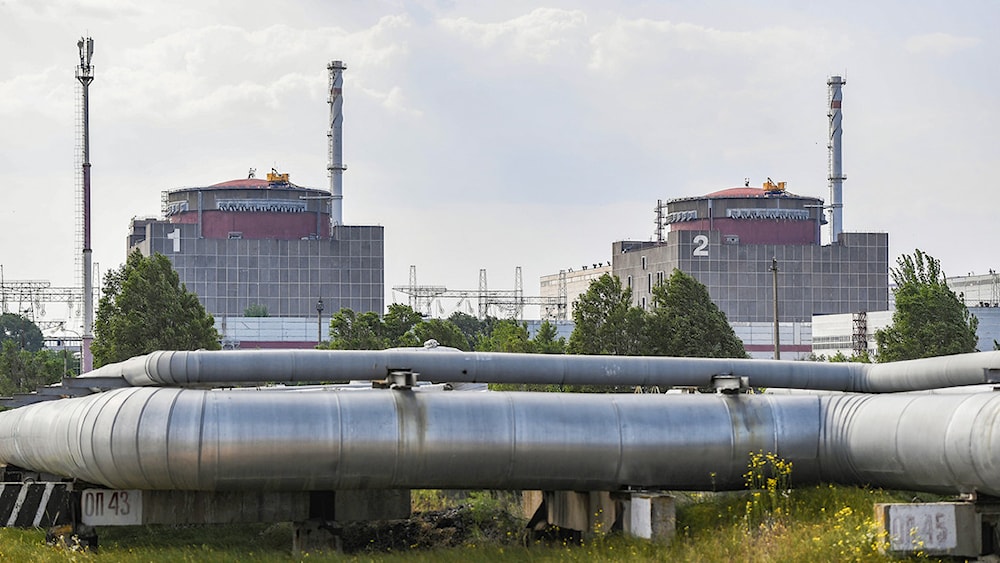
(445, 332)
(838, 358)
(684, 321)
(20, 330)
(256, 310)
(606, 321)
(397, 326)
(508, 335)
(473, 328)
(22, 371)
(350, 331)
(929, 320)
(145, 308)
(546, 341)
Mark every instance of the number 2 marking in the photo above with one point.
(702, 248)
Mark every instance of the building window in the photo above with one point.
(628, 282)
(649, 282)
(643, 303)
(643, 262)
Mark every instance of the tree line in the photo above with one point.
(24, 363)
(144, 308)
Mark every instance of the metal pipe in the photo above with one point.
(945, 443)
(777, 336)
(188, 439)
(199, 368)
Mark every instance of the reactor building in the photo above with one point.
(266, 244)
(759, 253)
(267, 257)
(731, 240)
(747, 243)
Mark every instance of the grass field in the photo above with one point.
(824, 523)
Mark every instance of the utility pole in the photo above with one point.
(777, 343)
(319, 321)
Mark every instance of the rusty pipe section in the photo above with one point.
(238, 439)
(200, 368)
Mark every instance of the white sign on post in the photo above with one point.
(108, 507)
(923, 527)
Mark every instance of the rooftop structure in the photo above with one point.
(729, 241)
(265, 243)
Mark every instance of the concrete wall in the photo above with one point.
(794, 338)
(835, 333)
(989, 326)
(577, 282)
(841, 278)
(285, 276)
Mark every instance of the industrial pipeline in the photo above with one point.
(172, 427)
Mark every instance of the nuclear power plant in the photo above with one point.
(323, 437)
(267, 257)
(747, 244)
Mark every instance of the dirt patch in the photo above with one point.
(449, 527)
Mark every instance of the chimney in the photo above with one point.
(336, 161)
(836, 158)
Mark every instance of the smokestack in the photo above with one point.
(336, 166)
(836, 158)
(85, 74)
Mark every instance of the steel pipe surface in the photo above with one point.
(215, 368)
(945, 443)
(189, 439)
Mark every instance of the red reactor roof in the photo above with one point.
(243, 183)
(742, 191)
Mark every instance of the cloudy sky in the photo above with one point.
(502, 134)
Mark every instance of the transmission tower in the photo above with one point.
(860, 336)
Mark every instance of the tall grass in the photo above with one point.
(821, 523)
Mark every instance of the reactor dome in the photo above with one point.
(252, 208)
(750, 215)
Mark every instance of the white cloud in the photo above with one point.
(71, 8)
(538, 35)
(23, 93)
(939, 44)
(202, 70)
(393, 100)
(501, 130)
(629, 42)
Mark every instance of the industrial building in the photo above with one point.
(747, 243)
(730, 240)
(977, 290)
(256, 242)
(253, 247)
(848, 333)
(838, 333)
(570, 283)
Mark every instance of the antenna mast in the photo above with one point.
(85, 74)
